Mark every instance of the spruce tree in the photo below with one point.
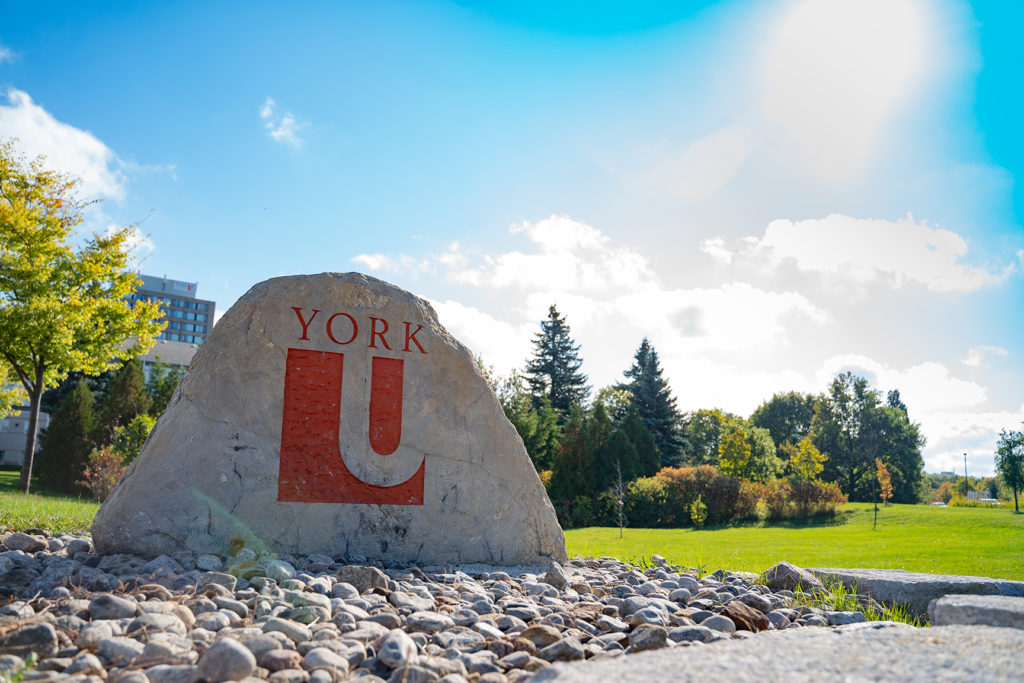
(67, 442)
(654, 401)
(554, 370)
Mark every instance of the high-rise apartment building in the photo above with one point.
(189, 319)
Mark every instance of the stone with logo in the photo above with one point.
(333, 414)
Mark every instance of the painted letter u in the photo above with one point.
(311, 467)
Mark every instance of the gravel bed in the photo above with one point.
(185, 618)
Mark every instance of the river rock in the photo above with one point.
(345, 392)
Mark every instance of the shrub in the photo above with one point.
(103, 470)
(698, 513)
(646, 502)
(683, 485)
(778, 498)
(747, 499)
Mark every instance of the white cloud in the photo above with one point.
(926, 387)
(6, 55)
(502, 344)
(283, 128)
(864, 250)
(66, 148)
(835, 72)
(977, 353)
(610, 295)
(568, 256)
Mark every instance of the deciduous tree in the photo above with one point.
(787, 416)
(1010, 462)
(62, 308)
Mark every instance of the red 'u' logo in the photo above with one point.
(312, 469)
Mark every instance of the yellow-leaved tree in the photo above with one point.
(63, 308)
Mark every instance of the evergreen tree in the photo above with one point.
(616, 455)
(126, 397)
(648, 456)
(569, 478)
(163, 380)
(67, 442)
(554, 370)
(654, 401)
(538, 428)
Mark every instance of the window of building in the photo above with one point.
(201, 317)
(177, 314)
(173, 337)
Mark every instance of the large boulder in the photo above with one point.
(916, 590)
(333, 414)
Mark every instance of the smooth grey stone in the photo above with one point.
(844, 618)
(26, 543)
(778, 619)
(227, 660)
(112, 607)
(397, 649)
(986, 610)
(567, 648)
(295, 631)
(323, 658)
(413, 674)
(118, 650)
(38, 639)
(155, 623)
(690, 634)
(362, 578)
(428, 622)
(718, 622)
(648, 637)
(173, 673)
(757, 601)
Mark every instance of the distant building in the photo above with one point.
(189, 319)
(173, 353)
(14, 430)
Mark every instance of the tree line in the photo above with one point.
(794, 451)
(98, 425)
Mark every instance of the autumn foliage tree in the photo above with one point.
(884, 481)
(62, 308)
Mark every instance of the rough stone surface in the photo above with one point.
(916, 590)
(216, 472)
(986, 610)
(787, 576)
(746, 617)
(847, 653)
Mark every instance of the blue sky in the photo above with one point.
(771, 191)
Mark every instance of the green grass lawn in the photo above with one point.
(55, 514)
(921, 538)
(977, 541)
